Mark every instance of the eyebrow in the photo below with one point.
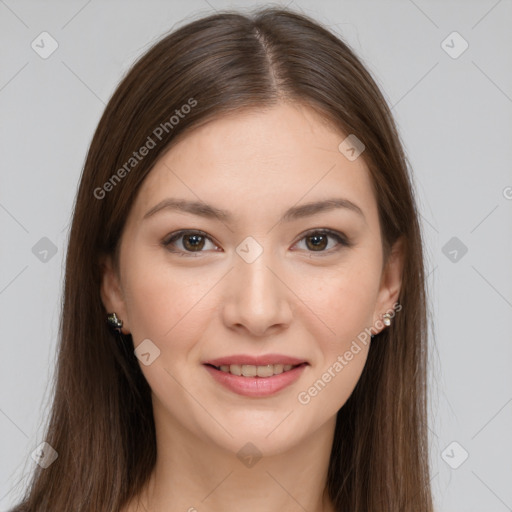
(296, 212)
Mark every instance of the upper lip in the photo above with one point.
(263, 360)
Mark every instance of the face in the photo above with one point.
(255, 281)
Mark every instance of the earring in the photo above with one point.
(386, 318)
(114, 323)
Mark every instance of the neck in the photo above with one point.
(193, 474)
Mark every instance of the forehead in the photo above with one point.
(258, 163)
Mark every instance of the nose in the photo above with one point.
(257, 298)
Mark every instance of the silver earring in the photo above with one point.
(114, 323)
(386, 318)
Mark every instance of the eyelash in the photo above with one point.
(339, 237)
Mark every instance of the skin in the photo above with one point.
(293, 299)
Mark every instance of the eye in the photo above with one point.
(193, 241)
(317, 240)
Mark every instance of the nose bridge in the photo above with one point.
(257, 297)
(256, 281)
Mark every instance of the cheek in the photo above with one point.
(330, 387)
(345, 305)
(162, 299)
(345, 302)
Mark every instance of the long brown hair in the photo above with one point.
(101, 423)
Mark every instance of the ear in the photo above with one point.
(391, 281)
(111, 292)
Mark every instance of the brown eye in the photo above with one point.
(318, 240)
(191, 242)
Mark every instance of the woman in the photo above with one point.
(244, 318)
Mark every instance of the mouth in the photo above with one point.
(256, 377)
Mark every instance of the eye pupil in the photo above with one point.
(198, 241)
(318, 241)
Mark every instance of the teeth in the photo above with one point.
(249, 370)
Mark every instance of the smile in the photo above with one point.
(256, 381)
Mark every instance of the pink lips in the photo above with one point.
(256, 387)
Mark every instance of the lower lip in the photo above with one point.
(256, 386)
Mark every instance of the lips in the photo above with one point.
(255, 386)
(256, 376)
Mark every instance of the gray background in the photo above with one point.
(455, 119)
